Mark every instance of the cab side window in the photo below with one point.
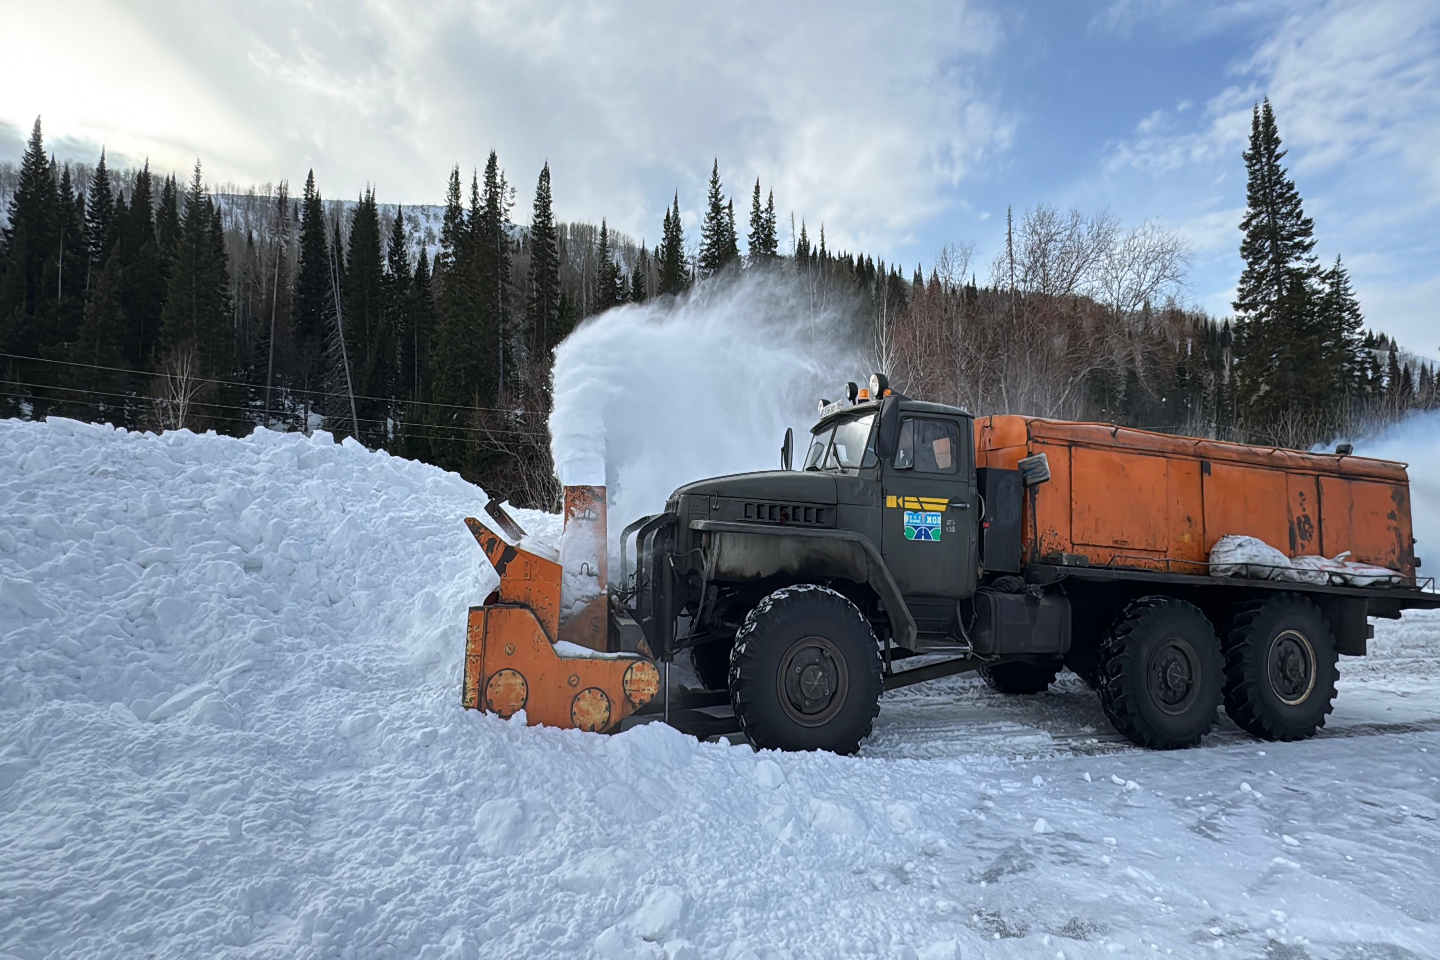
(928, 446)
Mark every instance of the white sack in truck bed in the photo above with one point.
(1236, 556)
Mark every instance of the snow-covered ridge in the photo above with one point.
(229, 691)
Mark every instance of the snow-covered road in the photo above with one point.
(229, 677)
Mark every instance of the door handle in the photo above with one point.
(960, 504)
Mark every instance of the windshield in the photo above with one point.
(843, 446)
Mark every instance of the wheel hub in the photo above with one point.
(812, 681)
(1291, 667)
(1174, 672)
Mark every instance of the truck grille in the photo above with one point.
(803, 514)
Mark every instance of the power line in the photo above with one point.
(257, 386)
(407, 426)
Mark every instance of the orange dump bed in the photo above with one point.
(1132, 498)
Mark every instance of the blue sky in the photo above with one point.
(901, 127)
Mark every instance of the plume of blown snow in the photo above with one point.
(1414, 441)
(651, 396)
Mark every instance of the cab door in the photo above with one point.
(928, 526)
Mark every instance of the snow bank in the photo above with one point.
(696, 387)
(229, 684)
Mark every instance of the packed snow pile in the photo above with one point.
(229, 685)
(1237, 556)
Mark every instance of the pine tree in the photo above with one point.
(756, 237)
(101, 228)
(142, 282)
(101, 343)
(27, 243)
(398, 277)
(452, 227)
(67, 269)
(416, 355)
(1344, 324)
(674, 268)
(638, 276)
(493, 240)
(544, 302)
(609, 280)
(761, 239)
(717, 231)
(370, 340)
(732, 239)
(313, 302)
(1280, 338)
(196, 321)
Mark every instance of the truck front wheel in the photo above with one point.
(1280, 668)
(1160, 673)
(805, 672)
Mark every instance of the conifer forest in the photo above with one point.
(155, 301)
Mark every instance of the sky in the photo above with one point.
(899, 127)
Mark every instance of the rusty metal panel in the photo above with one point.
(1371, 520)
(1187, 518)
(1247, 501)
(1119, 499)
(1051, 503)
(1302, 491)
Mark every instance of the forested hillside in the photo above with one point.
(152, 301)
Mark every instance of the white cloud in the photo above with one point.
(860, 117)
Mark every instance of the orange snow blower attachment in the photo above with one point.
(511, 660)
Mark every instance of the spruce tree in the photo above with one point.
(543, 305)
(398, 277)
(28, 242)
(732, 239)
(1344, 324)
(452, 226)
(1281, 343)
(101, 228)
(756, 237)
(143, 279)
(609, 280)
(671, 259)
(420, 322)
(770, 240)
(493, 239)
(717, 231)
(637, 292)
(370, 340)
(196, 322)
(313, 302)
(67, 270)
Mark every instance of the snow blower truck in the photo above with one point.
(914, 542)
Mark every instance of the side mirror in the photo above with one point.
(787, 450)
(1034, 470)
(887, 436)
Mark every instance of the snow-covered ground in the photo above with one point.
(229, 696)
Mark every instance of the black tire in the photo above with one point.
(1161, 673)
(712, 664)
(1019, 677)
(1280, 668)
(806, 641)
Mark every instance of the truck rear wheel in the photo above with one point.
(1020, 677)
(805, 672)
(1160, 673)
(1280, 668)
